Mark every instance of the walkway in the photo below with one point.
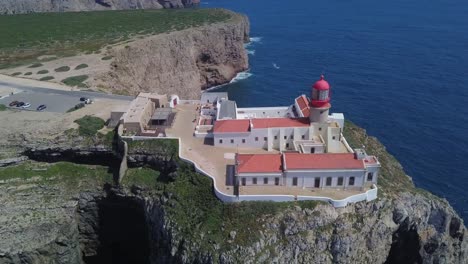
(214, 160)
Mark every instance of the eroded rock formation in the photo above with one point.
(181, 62)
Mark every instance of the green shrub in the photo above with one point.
(76, 107)
(36, 65)
(76, 80)
(28, 73)
(107, 58)
(2, 107)
(46, 78)
(16, 74)
(89, 125)
(42, 72)
(81, 66)
(62, 69)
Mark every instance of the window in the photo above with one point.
(220, 141)
(292, 137)
(243, 140)
(254, 180)
(333, 137)
(285, 137)
(276, 181)
(320, 129)
(265, 180)
(276, 137)
(329, 181)
(370, 175)
(312, 150)
(351, 181)
(303, 136)
(265, 138)
(287, 145)
(243, 181)
(256, 138)
(232, 141)
(294, 181)
(340, 181)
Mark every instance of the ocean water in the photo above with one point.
(397, 68)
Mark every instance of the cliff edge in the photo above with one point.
(38, 6)
(164, 212)
(181, 62)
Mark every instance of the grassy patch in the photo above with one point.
(46, 78)
(107, 58)
(36, 65)
(16, 74)
(65, 34)
(28, 73)
(62, 69)
(81, 66)
(3, 107)
(43, 72)
(89, 125)
(73, 176)
(76, 80)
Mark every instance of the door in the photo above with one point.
(174, 102)
(312, 150)
(317, 183)
(243, 181)
(277, 181)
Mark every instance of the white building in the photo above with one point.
(313, 152)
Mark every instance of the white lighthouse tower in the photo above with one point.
(320, 101)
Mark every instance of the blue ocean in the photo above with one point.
(397, 68)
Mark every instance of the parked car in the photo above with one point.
(41, 107)
(26, 105)
(88, 101)
(82, 99)
(20, 104)
(14, 103)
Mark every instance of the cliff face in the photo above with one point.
(38, 6)
(180, 62)
(182, 222)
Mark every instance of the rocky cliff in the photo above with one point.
(180, 62)
(152, 218)
(37, 6)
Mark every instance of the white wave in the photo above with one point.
(241, 76)
(250, 52)
(256, 39)
(275, 66)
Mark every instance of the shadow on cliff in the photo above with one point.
(121, 230)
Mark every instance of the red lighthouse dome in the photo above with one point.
(320, 93)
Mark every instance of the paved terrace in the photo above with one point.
(214, 160)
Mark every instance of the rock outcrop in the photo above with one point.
(47, 222)
(180, 62)
(37, 6)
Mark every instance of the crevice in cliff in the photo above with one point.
(406, 245)
(113, 229)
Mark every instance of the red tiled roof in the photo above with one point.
(303, 104)
(299, 161)
(233, 126)
(280, 122)
(258, 163)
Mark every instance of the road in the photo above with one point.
(57, 97)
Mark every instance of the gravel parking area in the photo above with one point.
(58, 103)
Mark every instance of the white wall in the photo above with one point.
(262, 112)
(307, 178)
(337, 117)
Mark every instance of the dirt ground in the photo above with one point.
(43, 125)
